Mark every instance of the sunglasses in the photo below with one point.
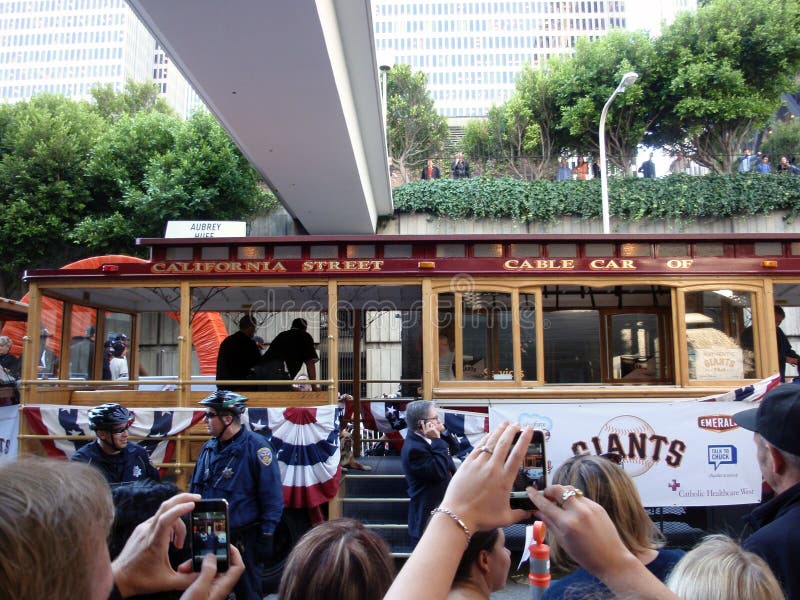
(210, 415)
(121, 430)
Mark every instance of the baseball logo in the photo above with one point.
(623, 427)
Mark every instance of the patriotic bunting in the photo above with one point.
(151, 423)
(306, 441)
(748, 393)
(389, 417)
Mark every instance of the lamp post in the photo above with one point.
(384, 76)
(627, 80)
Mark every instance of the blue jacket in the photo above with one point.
(776, 538)
(245, 472)
(582, 584)
(131, 464)
(428, 469)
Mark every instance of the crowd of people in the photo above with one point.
(55, 519)
(582, 169)
(103, 526)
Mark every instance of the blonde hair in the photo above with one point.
(53, 516)
(605, 482)
(718, 569)
(338, 560)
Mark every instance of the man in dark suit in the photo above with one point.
(427, 463)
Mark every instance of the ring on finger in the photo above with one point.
(486, 449)
(567, 494)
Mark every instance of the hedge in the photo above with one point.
(679, 197)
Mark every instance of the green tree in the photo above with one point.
(416, 131)
(585, 82)
(122, 155)
(136, 97)
(783, 141)
(189, 169)
(521, 137)
(44, 146)
(719, 74)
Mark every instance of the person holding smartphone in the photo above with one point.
(241, 467)
(427, 463)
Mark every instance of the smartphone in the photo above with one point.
(532, 472)
(208, 524)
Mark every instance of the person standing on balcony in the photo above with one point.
(430, 171)
(746, 161)
(648, 168)
(679, 165)
(763, 166)
(460, 167)
(564, 172)
(581, 170)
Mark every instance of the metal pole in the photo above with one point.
(384, 77)
(627, 79)
(604, 166)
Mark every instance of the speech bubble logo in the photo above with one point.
(536, 421)
(721, 455)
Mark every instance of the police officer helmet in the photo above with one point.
(225, 400)
(109, 416)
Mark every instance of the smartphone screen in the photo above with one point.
(532, 472)
(209, 528)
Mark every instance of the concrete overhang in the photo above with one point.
(295, 83)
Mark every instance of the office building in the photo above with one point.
(67, 46)
(472, 51)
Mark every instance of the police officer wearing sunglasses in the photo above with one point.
(119, 460)
(241, 466)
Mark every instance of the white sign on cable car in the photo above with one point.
(205, 229)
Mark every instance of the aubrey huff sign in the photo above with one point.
(679, 453)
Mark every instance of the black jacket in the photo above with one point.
(776, 538)
(428, 469)
(238, 353)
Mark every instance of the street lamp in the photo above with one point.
(627, 80)
(384, 75)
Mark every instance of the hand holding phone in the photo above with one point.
(208, 525)
(532, 472)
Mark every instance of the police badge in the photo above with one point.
(265, 456)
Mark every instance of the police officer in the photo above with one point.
(240, 466)
(118, 460)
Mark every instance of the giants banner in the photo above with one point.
(684, 453)
(9, 431)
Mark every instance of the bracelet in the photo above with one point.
(455, 518)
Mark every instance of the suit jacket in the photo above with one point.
(428, 469)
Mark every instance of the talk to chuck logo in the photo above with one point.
(717, 423)
(635, 440)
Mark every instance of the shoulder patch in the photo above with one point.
(265, 456)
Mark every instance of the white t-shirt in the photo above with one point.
(119, 368)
